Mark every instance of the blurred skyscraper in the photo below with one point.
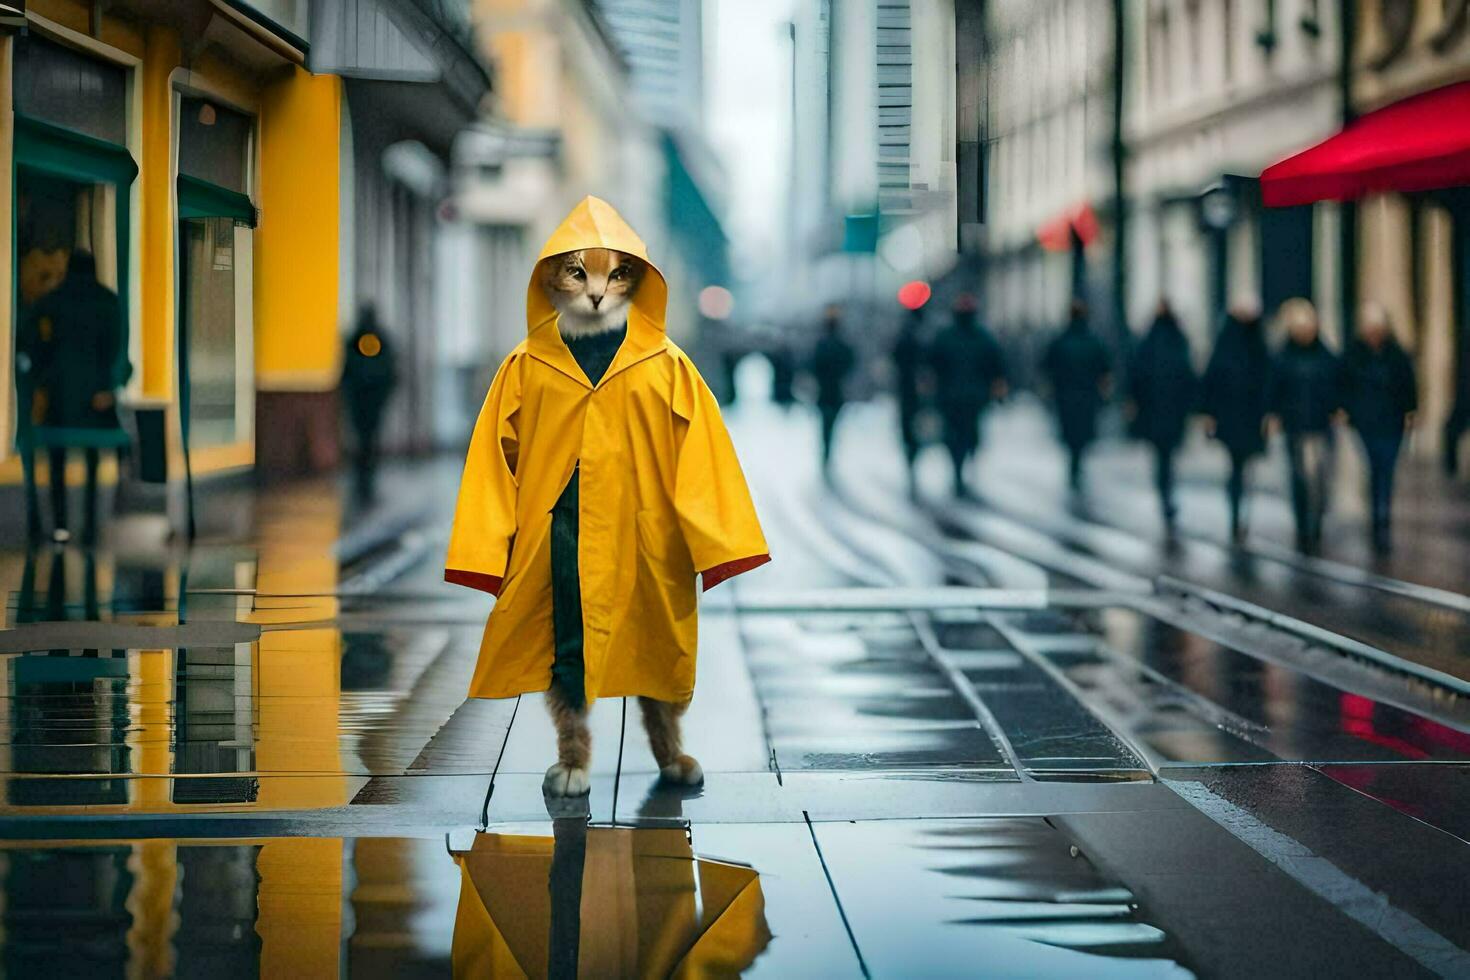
(873, 155)
(662, 42)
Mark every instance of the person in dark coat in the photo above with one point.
(1076, 365)
(969, 373)
(832, 361)
(1161, 393)
(910, 358)
(72, 344)
(1303, 396)
(783, 374)
(1233, 399)
(369, 375)
(1381, 397)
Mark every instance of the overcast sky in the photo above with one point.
(748, 91)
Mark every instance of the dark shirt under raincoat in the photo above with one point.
(1233, 390)
(1305, 387)
(1161, 383)
(661, 499)
(1379, 388)
(1075, 363)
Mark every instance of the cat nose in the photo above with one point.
(596, 301)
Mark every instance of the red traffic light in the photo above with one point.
(913, 295)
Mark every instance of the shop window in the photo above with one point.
(72, 174)
(208, 254)
(215, 289)
(68, 89)
(214, 143)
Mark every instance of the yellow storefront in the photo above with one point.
(189, 152)
(198, 161)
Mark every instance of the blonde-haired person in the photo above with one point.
(1304, 396)
(1381, 398)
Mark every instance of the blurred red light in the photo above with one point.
(912, 295)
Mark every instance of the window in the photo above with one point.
(215, 290)
(72, 174)
(68, 89)
(214, 143)
(207, 260)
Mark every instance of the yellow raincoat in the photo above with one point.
(662, 495)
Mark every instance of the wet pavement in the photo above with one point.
(969, 739)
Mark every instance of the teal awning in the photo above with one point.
(70, 154)
(201, 199)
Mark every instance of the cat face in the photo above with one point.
(591, 288)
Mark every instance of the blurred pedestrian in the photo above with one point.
(369, 375)
(1076, 366)
(1381, 397)
(783, 374)
(910, 358)
(1233, 400)
(1161, 391)
(832, 361)
(969, 373)
(72, 345)
(1303, 396)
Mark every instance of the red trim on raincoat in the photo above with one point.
(474, 580)
(714, 576)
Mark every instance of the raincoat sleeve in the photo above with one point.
(485, 517)
(716, 514)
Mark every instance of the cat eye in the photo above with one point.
(578, 274)
(619, 272)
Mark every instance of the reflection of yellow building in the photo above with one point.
(254, 726)
(199, 162)
(271, 908)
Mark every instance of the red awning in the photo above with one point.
(1056, 234)
(1419, 144)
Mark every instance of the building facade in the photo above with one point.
(1216, 92)
(1212, 93)
(228, 167)
(1413, 250)
(1041, 113)
(872, 196)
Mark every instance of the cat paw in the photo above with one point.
(565, 780)
(683, 771)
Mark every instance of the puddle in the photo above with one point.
(598, 901)
(177, 729)
(987, 897)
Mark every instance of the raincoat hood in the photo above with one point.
(594, 223)
(662, 500)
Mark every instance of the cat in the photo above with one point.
(591, 290)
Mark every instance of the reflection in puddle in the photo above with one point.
(589, 901)
(604, 902)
